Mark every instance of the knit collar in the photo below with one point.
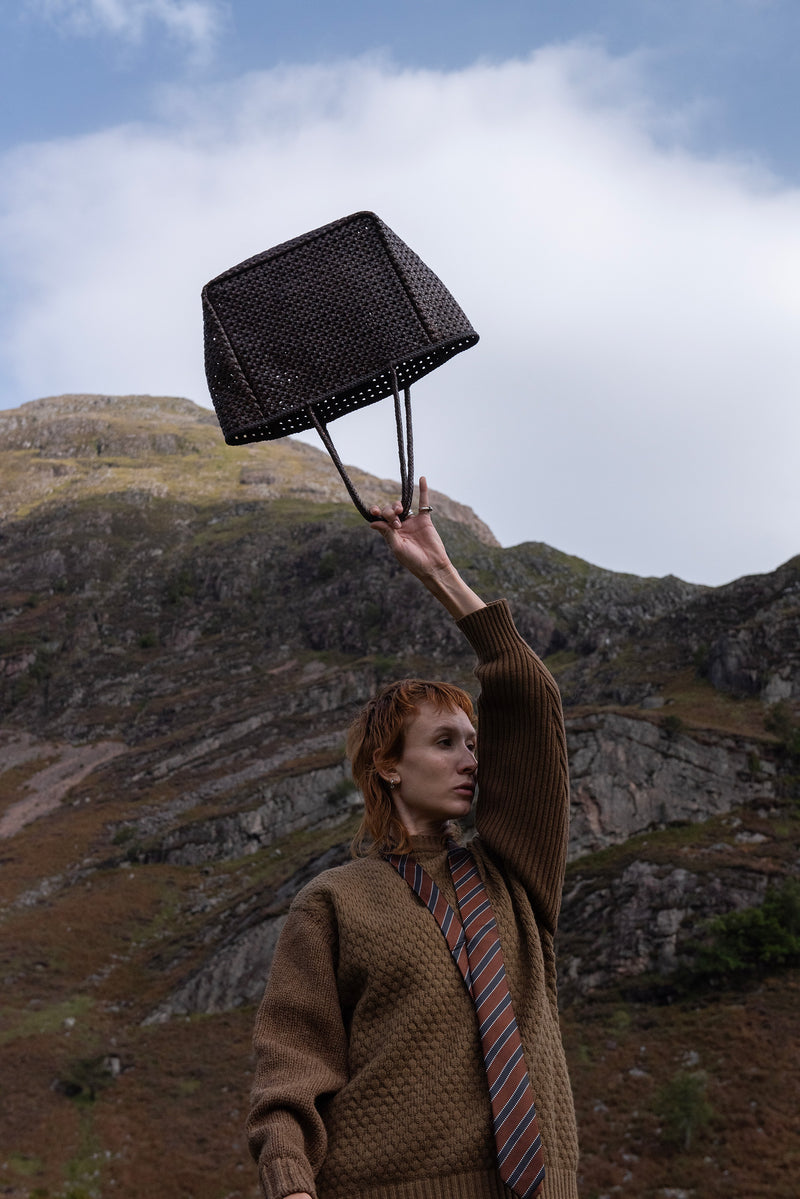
(429, 845)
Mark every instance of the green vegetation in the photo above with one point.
(33, 1022)
(683, 1107)
(780, 721)
(84, 1171)
(620, 1022)
(754, 764)
(25, 1166)
(328, 566)
(85, 1077)
(341, 790)
(701, 705)
(374, 618)
(700, 659)
(753, 941)
(181, 586)
(295, 511)
(673, 726)
(657, 845)
(387, 667)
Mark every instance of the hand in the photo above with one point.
(414, 542)
(418, 547)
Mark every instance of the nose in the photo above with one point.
(470, 763)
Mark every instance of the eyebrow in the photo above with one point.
(449, 728)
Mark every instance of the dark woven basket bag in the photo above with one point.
(322, 325)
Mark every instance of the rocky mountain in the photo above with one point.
(186, 630)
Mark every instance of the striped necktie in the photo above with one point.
(475, 945)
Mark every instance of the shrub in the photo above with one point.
(181, 586)
(702, 660)
(754, 764)
(673, 726)
(753, 941)
(779, 720)
(683, 1107)
(341, 790)
(328, 566)
(84, 1078)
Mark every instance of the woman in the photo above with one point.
(371, 1077)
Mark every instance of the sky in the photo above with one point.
(610, 189)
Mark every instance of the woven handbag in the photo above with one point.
(322, 325)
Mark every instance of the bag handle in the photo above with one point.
(405, 452)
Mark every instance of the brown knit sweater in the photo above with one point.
(370, 1079)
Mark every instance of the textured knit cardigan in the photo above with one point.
(370, 1080)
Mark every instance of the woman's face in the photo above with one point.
(436, 769)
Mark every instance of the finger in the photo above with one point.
(423, 491)
(391, 513)
(388, 525)
(388, 513)
(389, 519)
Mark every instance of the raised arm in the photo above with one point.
(418, 547)
(523, 785)
(523, 782)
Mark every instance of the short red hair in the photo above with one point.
(375, 739)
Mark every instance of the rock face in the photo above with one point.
(196, 625)
(631, 775)
(639, 921)
(761, 657)
(628, 776)
(319, 798)
(234, 973)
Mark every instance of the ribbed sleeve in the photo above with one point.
(523, 782)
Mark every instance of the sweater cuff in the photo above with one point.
(489, 629)
(286, 1176)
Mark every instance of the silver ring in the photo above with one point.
(426, 508)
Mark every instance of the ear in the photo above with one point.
(386, 767)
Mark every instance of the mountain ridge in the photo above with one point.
(102, 429)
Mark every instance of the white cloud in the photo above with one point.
(194, 23)
(633, 397)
